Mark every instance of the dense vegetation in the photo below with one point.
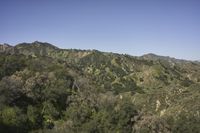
(47, 89)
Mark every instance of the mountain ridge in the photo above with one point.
(148, 56)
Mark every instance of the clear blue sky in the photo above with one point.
(136, 27)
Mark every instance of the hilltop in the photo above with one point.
(45, 88)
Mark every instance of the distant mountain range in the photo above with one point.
(45, 88)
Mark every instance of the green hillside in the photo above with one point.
(47, 89)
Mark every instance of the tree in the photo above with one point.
(13, 120)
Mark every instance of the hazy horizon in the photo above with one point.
(167, 28)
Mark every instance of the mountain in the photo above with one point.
(154, 57)
(47, 89)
